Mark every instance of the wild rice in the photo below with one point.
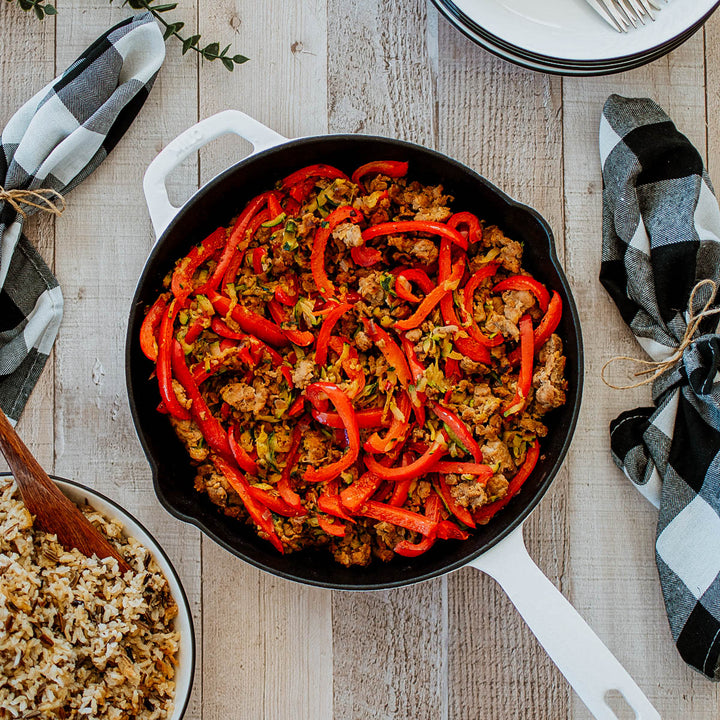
(77, 640)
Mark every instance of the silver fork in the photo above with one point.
(624, 14)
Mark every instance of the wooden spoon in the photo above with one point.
(53, 512)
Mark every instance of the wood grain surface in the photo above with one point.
(452, 648)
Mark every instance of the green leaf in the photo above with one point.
(164, 8)
(228, 63)
(178, 26)
(50, 10)
(211, 49)
(25, 5)
(224, 52)
(136, 4)
(39, 11)
(168, 32)
(240, 59)
(187, 44)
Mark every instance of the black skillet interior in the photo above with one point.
(215, 205)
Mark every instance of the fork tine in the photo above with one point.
(638, 8)
(628, 12)
(598, 7)
(619, 19)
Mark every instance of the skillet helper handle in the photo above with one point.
(162, 211)
(590, 668)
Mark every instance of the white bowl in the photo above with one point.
(183, 622)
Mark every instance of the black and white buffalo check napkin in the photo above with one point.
(55, 141)
(661, 236)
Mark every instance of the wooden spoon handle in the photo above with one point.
(53, 512)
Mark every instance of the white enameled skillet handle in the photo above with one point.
(580, 655)
(162, 211)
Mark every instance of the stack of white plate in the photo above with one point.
(567, 37)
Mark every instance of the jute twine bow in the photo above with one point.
(44, 199)
(655, 368)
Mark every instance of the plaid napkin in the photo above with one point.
(661, 236)
(55, 141)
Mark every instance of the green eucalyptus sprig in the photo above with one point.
(211, 51)
(38, 7)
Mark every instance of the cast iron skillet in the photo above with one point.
(214, 205)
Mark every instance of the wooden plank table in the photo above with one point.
(450, 648)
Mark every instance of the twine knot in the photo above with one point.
(45, 199)
(655, 368)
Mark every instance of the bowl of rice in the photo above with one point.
(77, 640)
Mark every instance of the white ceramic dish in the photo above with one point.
(183, 622)
(571, 31)
(557, 67)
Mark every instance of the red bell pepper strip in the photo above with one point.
(249, 321)
(525, 282)
(317, 255)
(545, 328)
(364, 256)
(283, 486)
(467, 346)
(397, 431)
(452, 370)
(448, 530)
(351, 365)
(281, 315)
(425, 463)
(398, 516)
(433, 509)
(419, 277)
(287, 291)
(391, 168)
(150, 325)
(468, 302)
(210, 427)
(355, 494)
(275, 503)
(470, 221)
(258, 346)
(483, 472)
(460, 512)
(237, 243)
(286, 372)
(389, 348)
(312, 171)
(524, 381)
(342, 404)
(258, 254)
(242, 457)
(400, 492)
(330, 526)
(297, 407)
(483, 514)
(417, 369)
(274, 207)
(459, 429)
(181, 284)
(166, 344)
(433, 298)
(323, 337)
(329, 501)
(234, 265)
(259, 513)
(193, 332)
(423, 226)
(365, 419)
